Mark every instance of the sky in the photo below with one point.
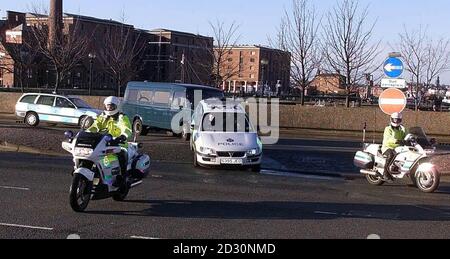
(258, 19)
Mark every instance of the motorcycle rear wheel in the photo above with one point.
(80, 193)
(375, 180)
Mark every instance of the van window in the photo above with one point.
(179, 99)
(145, 97)
(29, 99)
(161, 98)
(64, 103)
(132, 96)
(46, 100)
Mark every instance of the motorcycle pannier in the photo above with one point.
(364, 160)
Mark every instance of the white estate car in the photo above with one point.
(223, 135)
(34, 108)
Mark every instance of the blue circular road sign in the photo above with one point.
(393, 67)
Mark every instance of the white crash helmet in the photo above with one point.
(114, 102)
(396, 119)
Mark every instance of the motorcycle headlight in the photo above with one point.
(83, 151)
(207, 151)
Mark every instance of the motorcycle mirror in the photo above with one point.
(68, 134)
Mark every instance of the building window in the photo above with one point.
(252, 76)
(252, 60)
(251, 68)
(230, 60)
(252, 53)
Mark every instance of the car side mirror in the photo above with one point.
(192, 127)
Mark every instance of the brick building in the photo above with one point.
(248, 68)
(171, 56)
(328, 83)
(179, 57)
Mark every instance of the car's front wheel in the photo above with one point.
(32, 119)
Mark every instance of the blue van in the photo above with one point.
(154, 105)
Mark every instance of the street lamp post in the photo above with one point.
(369, 78)
(264, 63)
(92, 57)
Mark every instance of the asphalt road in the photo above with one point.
(178, 201)
(296, 155)
(300, 194)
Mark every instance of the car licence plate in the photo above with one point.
(231, 161)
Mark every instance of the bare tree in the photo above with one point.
(425, 59)
(65, 52)
(24, 58)
(298, 35)
(437, 60)
(122, 53)
(226, 39)
(348, 46)
(412, 48)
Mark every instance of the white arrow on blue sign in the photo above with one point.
(393, 67)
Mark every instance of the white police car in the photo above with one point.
(222, 135)
(35, 108)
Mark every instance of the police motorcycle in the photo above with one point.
(413, 161)
(97, 174)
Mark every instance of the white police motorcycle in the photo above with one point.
(97, 168)
(413, 161)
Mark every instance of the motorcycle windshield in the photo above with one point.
(88, 140)
(422, 138)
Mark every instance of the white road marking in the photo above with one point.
(374, 237)
(15, 188)
(24, 226)
(147, 238)
(73, 236)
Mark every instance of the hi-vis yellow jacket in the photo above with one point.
(116, 128)
(392, 136)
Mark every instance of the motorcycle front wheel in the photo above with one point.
(428, 182)
(80, 193)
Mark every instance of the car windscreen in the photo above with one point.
(226, 122)
(80, 103)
